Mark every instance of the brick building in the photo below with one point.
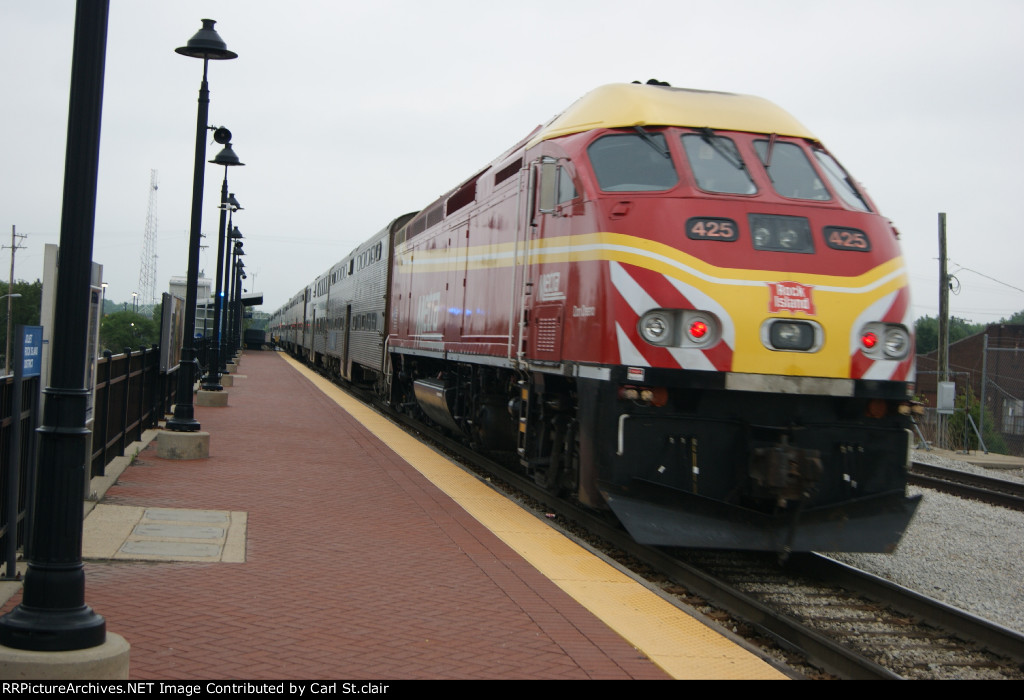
(1000, 370)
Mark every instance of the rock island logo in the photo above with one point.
(790, 296)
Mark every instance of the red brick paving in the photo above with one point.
(356, 566)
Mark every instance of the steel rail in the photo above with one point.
(1000, 492)
(990, 635)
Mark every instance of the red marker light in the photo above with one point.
(869, 340)
(698, 329)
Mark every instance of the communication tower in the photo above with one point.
(147, 264)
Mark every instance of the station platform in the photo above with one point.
(318, 541)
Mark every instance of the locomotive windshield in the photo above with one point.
(791, 173)
(632, 163)
(717, 165)
(840, 181)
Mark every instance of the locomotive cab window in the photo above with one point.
(841, 181)
(555, 187)
(717, 164)
(566, 191)
(790, 171)
(632, 163)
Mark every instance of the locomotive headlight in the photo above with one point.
(897, 342)
(783, 234)
(788, 333)
(885, 341)
(788, 238)
(792, 336)
(656, 327)
(691, 328)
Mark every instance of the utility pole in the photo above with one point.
(943, 365)
(943, 359)
(10, 298)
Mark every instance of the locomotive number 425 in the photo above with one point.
(716, 229)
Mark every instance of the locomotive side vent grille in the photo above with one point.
(547, 334)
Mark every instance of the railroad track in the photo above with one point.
(817, 611)
(858, 626)
(999, 492)
(848, 622)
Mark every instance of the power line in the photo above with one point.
(993, 279)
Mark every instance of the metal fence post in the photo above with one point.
(984, 381)
(127, 396)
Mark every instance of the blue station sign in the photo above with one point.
(32, 342)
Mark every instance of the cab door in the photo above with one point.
(550, 271)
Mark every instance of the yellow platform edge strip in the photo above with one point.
(681, 645)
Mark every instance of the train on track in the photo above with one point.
(670, 303)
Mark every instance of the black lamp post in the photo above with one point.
(52, 615)
(241, 311)
(227, 158)
(235, 292)
(234, 237)
(229, 331)
(206, 44)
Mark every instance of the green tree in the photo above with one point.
(158, 310)
(926, 332)
(1016, 318)
(127, 329)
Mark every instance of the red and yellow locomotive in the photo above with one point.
(676, 304)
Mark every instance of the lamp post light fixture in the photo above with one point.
(227, 158)
(205, 44)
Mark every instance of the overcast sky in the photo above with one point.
(348, 114)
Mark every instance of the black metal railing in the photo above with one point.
(16, 466)
(132, 394)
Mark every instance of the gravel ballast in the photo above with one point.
(964, 553)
